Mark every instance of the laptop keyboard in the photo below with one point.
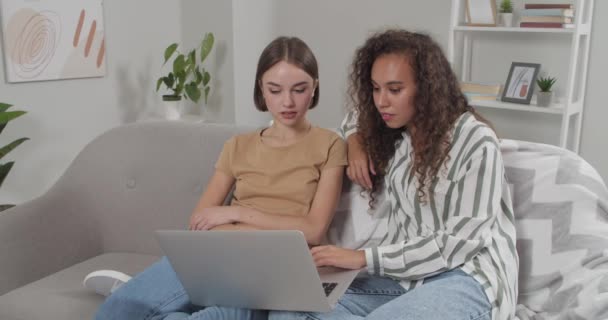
(329, 287)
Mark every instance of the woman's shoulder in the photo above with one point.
(471, 136)
(245, 138)
(326, 137)
(470, 130)
(325, 134)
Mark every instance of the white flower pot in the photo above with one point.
(543, 99)
(173, 109)
(506, 19)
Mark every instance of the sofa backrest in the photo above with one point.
(138, 178)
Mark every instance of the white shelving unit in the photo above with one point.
(571, 106)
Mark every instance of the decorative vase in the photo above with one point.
(543, 99)
(173, 107)
(506, 19)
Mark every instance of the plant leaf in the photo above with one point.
(4, 170)
(4, 106)
(169, 81)
(169, 52)
(179, 88)
(192, 57)
(159, 82)
(206, 78)
(9, 147)
(5, 206)
(193, 92)
(206, 94)
(179, 64)
(181, 76)
(206, 45)
(10, 115)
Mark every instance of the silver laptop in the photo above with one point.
(271, 270)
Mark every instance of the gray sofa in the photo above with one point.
(138, 178)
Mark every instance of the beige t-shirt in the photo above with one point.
(280, 180)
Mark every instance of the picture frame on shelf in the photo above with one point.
(481, 13)
(520, 82)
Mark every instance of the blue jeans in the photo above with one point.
(449, 295)
(157, 294)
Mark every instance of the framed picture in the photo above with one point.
(481, 13)
(51, 40)
(520, 82)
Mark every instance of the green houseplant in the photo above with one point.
(506, 13)
(545, 84)
(506, 6)
(187, 78)
(5, 168)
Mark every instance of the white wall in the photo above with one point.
(63, 116)
(197, 18)
(254, 27)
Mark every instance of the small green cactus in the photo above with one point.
(545, 83)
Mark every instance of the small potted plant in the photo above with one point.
(506, 13)
(543, 98)
(5, 168)
(187, 78)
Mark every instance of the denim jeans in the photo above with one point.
(449, 295)
(157, 294)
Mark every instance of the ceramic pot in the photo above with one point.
(543, 99)
(506, 19)
(173, 107)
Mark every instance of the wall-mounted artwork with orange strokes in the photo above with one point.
(50, 40)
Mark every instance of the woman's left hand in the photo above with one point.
(338, 257)
(212, 217)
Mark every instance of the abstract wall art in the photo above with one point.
(50, 40)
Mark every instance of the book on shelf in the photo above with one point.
(480, 91)
(548, 12)
(480, 88)
(556, 19)
(548, 6)
(546, 25)
(474, 96)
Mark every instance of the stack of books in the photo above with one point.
(480, 91)
(545, 15)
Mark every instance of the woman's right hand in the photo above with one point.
(359, 163)
(338, 257)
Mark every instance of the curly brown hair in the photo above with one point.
(438, 102)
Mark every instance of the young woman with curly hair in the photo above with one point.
(449, 251)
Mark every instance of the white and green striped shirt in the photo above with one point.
(466, 223)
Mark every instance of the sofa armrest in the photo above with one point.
(41, 237)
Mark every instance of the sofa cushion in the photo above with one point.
(61, 296)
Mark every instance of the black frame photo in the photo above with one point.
(520, 82)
